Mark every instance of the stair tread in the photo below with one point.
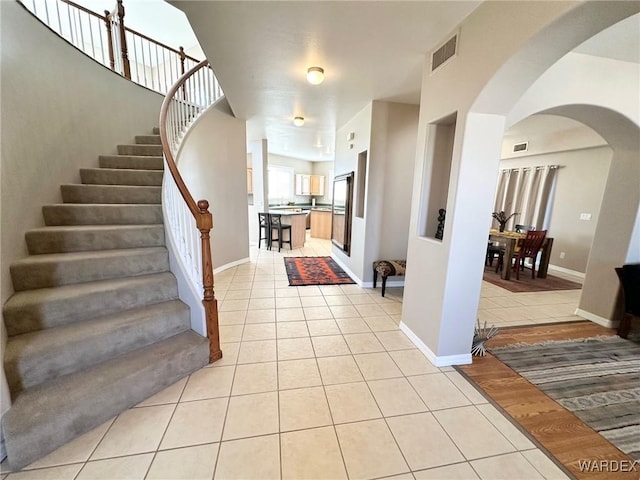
(135, 157)
(46, 416)
(66, 292)
(91, 254)
(102, 214)
(122, 170)
(35, 398)
(34, 357)
(111, 205)
(90, 228)
(31, 342)
(96, 186)
(32, 310)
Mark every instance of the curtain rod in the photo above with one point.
(526, 169)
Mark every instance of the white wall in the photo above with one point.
(213, 163)
(347, 161)
(257, 151)
(388, 133)
(60, 110)
(394, 137)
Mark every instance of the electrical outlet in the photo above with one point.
(585, 216)
(562, 254)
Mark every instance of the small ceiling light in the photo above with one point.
(298, 121)
(315, 75)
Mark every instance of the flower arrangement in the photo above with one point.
(502, 218)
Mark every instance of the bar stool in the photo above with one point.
(263, 224)
(275, 220)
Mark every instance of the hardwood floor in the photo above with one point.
(556, 429)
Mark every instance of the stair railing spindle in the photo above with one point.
(46, 12)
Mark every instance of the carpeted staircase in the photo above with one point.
(95, 325)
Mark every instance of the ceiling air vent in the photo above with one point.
(444, 53)
(521, 147)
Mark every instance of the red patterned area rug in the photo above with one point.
(314, 271)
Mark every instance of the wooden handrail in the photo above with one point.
(201, 214)
(85, 10)
(142, 35)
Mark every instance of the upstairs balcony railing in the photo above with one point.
(106, 39)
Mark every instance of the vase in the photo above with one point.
(502, 225)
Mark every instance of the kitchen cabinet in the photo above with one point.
(317, 185)
(309, 184)
(321, 224)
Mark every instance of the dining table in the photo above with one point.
(510, 240)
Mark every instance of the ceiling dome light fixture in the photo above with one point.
(315, 75)
(298, 121)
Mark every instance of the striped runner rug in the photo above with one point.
(598, 379)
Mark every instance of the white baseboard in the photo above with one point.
(230, 265)
(605, 322)
(442, 361)
(567, 271)
(395, 283)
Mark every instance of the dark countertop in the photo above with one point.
(286, 213)
(305, 206)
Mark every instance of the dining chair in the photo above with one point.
(529, 248)
(524, 228)
(493, 250)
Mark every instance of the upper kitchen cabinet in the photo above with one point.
(309, 184)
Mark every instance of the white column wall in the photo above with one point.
(347, 161)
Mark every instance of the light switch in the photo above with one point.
(585, 216)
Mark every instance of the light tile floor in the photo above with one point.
(316, 382)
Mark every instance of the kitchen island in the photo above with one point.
(298, 222)
(321, 223)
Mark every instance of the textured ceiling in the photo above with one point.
(369, 50)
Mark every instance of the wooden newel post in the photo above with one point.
(205, 224)
(107, 21)
(126, 69)
(183, 56)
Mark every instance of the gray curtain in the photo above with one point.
(525, 191)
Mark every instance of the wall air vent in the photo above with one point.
(444, 53)
(521, 147)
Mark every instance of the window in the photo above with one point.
(280, 184)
